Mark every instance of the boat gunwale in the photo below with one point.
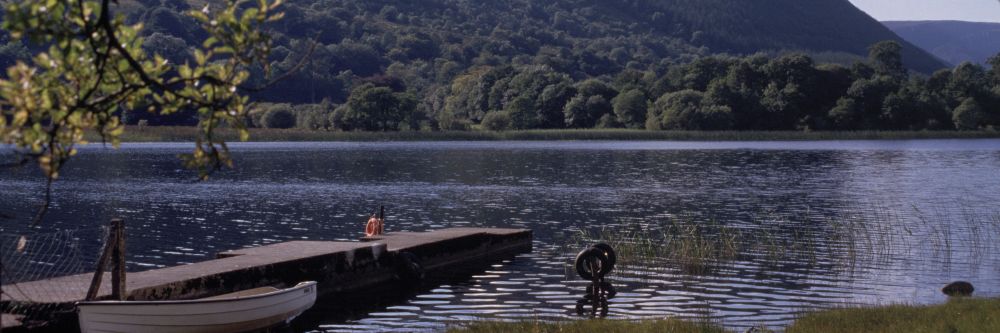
(299, 286)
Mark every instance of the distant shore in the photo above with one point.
(183, 134)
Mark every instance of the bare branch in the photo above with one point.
(45, 204)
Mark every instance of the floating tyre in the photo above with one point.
(586, 259)
(612, 258)
(595, 262)
(408, 267)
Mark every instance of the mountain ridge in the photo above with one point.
(951, 40)
(808, 25)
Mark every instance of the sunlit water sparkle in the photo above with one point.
(931, 189)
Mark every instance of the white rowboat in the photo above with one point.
(236, 312)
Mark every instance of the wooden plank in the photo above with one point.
(244, 293)
(102, 262)
(10, 321)
(118, 261)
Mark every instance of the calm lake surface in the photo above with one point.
(824, 224)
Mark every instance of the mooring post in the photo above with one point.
(118, 261)
(102, 262)
(114, 250)
(381, 219)
(596, 280)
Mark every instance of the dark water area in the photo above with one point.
(853, 222)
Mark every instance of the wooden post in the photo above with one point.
(381, 219)
(118, 261)
(102, 262)
(595, 269)
(114, 250)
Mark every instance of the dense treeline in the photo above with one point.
(792, 92)
(788, 92)
(521, 64)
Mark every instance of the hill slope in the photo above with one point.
(522, 64)
(953, 41)
(812, 25)
(424, 44)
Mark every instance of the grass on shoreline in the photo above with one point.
(959, 315)
(184, 134)
(588, 326)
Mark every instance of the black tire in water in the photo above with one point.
(408, 267)
(585, 257)
(612, 257)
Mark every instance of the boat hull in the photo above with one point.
(216, 315)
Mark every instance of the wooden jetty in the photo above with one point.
(336, 266)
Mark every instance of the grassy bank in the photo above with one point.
(168, 134)
(588, 326)
(961, 315)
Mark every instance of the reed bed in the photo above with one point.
(587, 326)
(691, 246)
(870, 237)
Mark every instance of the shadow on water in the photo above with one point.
(594, 303)
(354, 306)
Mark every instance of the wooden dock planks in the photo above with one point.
(338, 266)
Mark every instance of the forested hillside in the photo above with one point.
(461, 64)
(953, 41)
(427, 42)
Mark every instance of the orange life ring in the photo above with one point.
(374, 227)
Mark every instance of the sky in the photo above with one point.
(911, 10)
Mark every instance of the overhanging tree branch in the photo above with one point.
(78, 85)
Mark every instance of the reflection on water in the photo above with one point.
(594, 303)
(818, 224)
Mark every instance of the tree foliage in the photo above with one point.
(630, 108)
(496, 121)
(89, 64)
(374, 108)
(427, 43)
(450, 64)
(280, 117)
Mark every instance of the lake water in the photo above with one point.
(823, 224)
